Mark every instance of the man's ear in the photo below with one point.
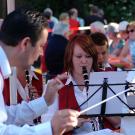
(25, 42)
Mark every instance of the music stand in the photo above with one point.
(127, 123)
(104, 85)
(131, 94)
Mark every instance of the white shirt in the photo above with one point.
(81, 96)
(107, 65)
(10, 116)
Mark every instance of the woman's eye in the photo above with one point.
(78, 56)
(103, 53)
(88, 56)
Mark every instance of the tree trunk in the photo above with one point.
(3, 8)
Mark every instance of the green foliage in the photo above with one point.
(115, 10)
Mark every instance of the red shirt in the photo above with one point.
(67, 100)
(73, 24)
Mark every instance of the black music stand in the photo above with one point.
(107, 81)
(130, 83)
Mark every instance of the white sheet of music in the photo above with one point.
(130, 96)
(115, 105)
(131, 76)
(104, 132)
(128, 125)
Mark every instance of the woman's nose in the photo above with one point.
(84, 60)
(100, 56)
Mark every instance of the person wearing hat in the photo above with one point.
(97, 26)
(123, 25)
(116, 44)
(128, 52)
(123, 30)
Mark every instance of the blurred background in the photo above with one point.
(114, 9)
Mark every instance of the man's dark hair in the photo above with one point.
(22, 23)
(99, 39)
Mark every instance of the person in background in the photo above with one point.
(128, 52)
(125, 36)
(73, 22)
(22, 37)
(53, 18)
(48, 14)
(97, 27)
(60, 35)
(55, 49)
(102, 15)
(123, 30)
(94, 15)
(80, 52)
(101, 44)
(79, 19)
(117, 44)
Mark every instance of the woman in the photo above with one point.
(128, 52)
(116, 44)
(80, 52)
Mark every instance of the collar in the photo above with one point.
(107, 65)
(32, 73)
(4, 64)
(69, 80)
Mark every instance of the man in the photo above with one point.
(22, 37)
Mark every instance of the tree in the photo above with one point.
(115, 10)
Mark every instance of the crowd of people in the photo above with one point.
(116, 32)
(31, 103)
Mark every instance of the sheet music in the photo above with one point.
(127, 125)
(115, 105)
(104, 132)
(108, 99)
(131, 96)
(131, 76)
